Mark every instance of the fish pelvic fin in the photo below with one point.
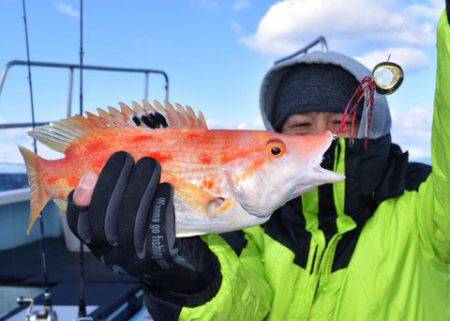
(38, 196)
(62, 205)
(60, 135)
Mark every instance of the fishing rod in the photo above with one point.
(82, 301)
(48, 313)
(30, 82)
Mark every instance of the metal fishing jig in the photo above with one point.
(388, 77)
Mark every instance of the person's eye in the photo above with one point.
(338, 122)
(301, 125)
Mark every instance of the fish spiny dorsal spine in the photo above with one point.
(62, 134)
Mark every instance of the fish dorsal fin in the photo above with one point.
(60, 135)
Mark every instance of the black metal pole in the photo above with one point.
(81, 57)
(30, 82)
(82, 301)
(13, 63)
(33, 124)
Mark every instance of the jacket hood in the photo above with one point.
(381, 118)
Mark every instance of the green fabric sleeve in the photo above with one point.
(434, 195)
(244, 293)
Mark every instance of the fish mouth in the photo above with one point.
(326, 176)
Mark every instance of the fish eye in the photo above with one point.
(276, 148)
(275, 151)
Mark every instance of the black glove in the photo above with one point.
(130, 226)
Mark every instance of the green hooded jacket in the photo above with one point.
(382, 254)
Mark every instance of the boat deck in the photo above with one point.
(109, 295)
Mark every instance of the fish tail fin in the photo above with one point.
(38, 197)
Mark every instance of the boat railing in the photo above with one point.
(318, 41)
(21, 194)
(71, 68)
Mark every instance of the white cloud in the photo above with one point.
(255, 124)
(347, 24)
(14, 137)
(242, 125)
(212, 123)
(67, 9)
(241, 5)
(236, 26)
(258, 123)
(431, 10)
(206, 4)
(409, 58)
(220, 124)
(411, 129)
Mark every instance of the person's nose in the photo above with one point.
(320, 126)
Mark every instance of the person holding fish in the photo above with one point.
(374, 246)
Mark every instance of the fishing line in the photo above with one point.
(402, 26)
(81, 53)
(82, 301)
(33, 122)
(366, 90)
(30, 82)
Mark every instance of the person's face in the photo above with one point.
(316, 123)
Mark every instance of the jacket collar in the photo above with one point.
(372, 176)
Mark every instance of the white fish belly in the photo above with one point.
(189, 223)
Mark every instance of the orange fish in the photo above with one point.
(224, 180)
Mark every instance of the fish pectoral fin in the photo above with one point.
(220, 206)
(197, 199)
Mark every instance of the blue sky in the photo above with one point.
(215, 52)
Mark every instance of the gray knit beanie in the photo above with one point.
(380, 120)
(313, 87)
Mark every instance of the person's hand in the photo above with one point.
(126, 218)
